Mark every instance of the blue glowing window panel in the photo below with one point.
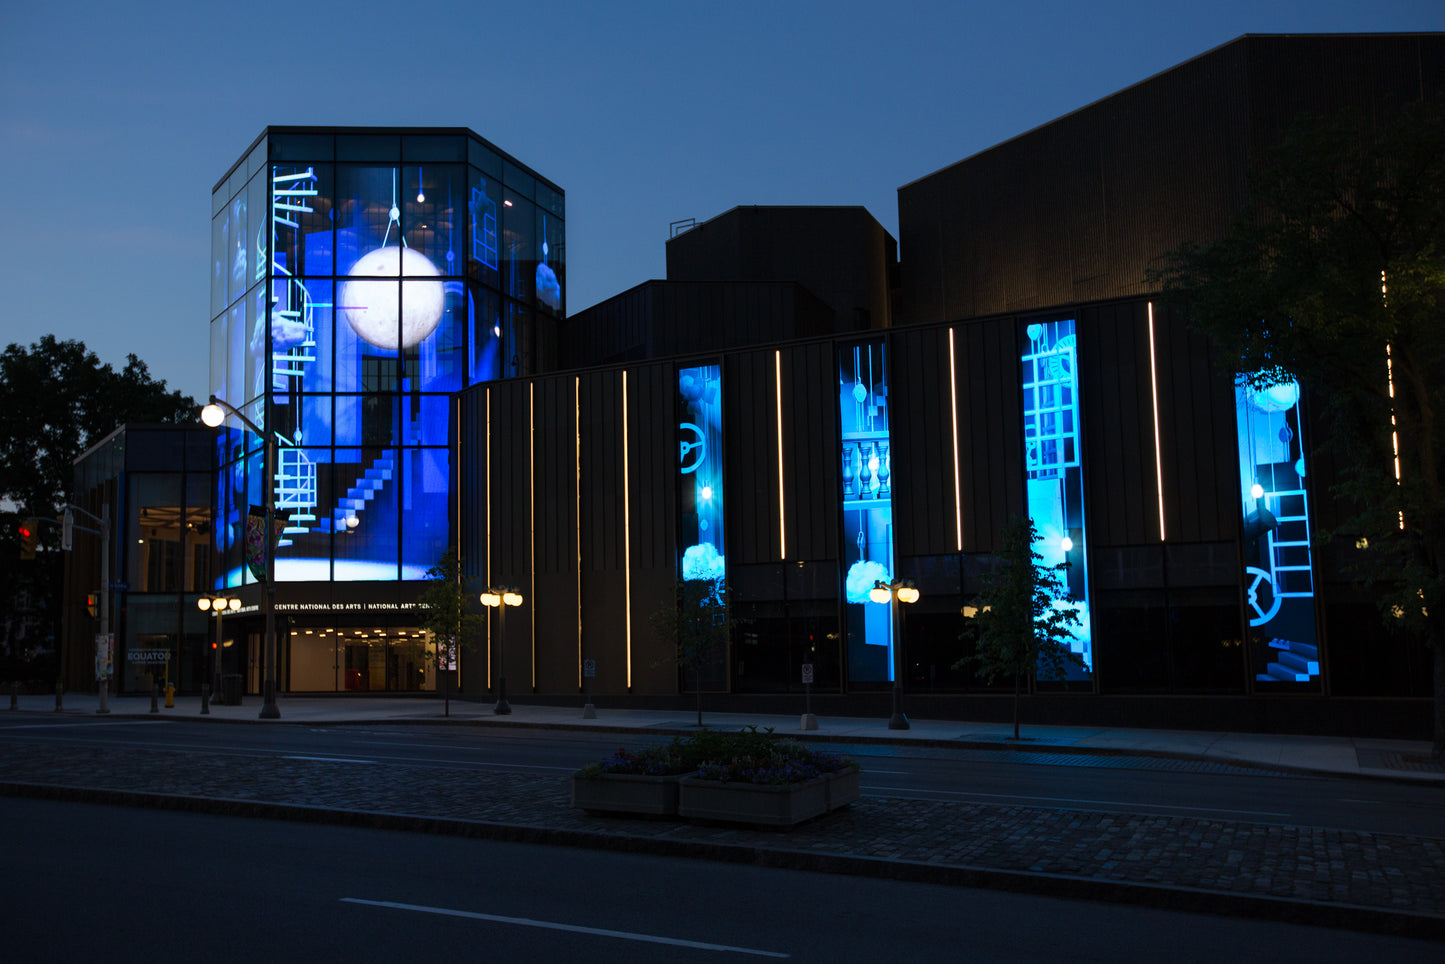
(701, 536)
(425, 419)
(432, 200)
(483, 212)
(424, 509)
(238, 255)
(484, 326)
(867, 480)
(1053, 464)
(436, 362)
(1278, 563)
(365, 514)
(220, 259)
(303, 484)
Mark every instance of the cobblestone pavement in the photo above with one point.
(1347, 878)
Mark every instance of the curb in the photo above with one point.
(811, 737)
(1158, 896)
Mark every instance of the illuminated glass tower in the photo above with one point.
(359, 277)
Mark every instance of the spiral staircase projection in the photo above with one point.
(1292, 573)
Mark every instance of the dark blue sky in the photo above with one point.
(116, 119)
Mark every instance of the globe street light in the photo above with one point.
(217, 606)
(213, 415)
(499, 598)
(893, 593)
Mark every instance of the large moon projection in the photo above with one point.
(371, 297)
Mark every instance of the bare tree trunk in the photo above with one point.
(697, 685)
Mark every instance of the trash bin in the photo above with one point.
(231, 689)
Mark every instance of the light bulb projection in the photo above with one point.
(867, 464)
(1279, 564)
(1054, 467)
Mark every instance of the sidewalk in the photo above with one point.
(1392, 883)
(1343, 756)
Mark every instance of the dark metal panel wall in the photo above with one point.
(750, 416)
(925, 512)
(652, 490)
(1117, 414)
(555, 590)
(1197, 434)
(810, 451)
(603, 576)
(510, 507)
(990, 430)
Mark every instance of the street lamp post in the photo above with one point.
(217, 606)
(213, 415)
(499, 598)
(893, 593)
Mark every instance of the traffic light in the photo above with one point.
(28, 531)
(92, 603)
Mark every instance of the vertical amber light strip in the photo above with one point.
(1390, 375)
(577, 480)
(1158, 450)
(953, 413)
(532, 515)
(782, 516)
(626, 537)
(487, 454)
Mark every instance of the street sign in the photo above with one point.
(589, 668)
(807, 672)
(120, 587)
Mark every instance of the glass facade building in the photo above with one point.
(359, 277)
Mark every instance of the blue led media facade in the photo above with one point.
(700, 493)
(360, 279)
(867, 464)
(1278, 564)
(1053, 461)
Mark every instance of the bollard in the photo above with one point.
(205, 699)
(170, 696)
(59, 696)
(155, 694)
(15, 696)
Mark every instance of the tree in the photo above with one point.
(1023, 620)
(57, 400)
(444, 611)
(1335, 277)
(697, 626)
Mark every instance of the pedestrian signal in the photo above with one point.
(92, 603)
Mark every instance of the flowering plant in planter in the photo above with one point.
(650, 761)
(786, 762)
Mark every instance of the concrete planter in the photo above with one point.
(763, 805)
(626, 793)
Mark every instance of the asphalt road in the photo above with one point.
(88, 882)
(1120, 784)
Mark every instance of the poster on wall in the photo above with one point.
(700, 496)
(867, 481)
(1053, 463)
(1278, 562)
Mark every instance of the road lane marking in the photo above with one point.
(56, 726)
(571, 928)
(330, 759)
(1106, 803)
